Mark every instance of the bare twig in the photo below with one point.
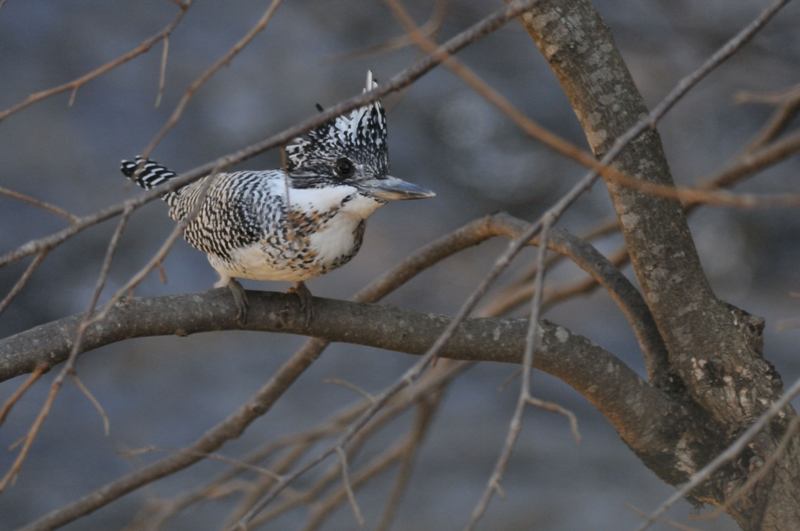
(205, 76)
(748, 163)
(430, 28)
(40, 369)
(515, 427)
(44, 205)
(95, 403)
(22, 281)
(376, 466)
(162, 72)
(789, 107)
(561, 410)
(403, 451)
(669, 522)
(238, 464)
(348, 488)
(351, 386)
(75, 84)
(425, 411)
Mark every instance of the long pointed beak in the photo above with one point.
(394, 189)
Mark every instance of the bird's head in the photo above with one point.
(350, 150)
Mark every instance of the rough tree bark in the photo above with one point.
(714, 349)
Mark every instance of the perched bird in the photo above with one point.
(292, 224)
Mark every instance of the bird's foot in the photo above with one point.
(306, 301)
(240, 299)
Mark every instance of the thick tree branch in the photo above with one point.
(595, 373)
(379, 326)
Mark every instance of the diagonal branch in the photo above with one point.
(75, 84)
(206, 75)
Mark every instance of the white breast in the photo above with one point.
(332, 241)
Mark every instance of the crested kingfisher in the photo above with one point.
(291, 224)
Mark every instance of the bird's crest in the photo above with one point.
(359, 135)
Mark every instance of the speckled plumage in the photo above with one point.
(296, 224)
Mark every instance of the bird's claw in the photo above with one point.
(240, 299)
(306, 301)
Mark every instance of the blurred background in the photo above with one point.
(165, 392)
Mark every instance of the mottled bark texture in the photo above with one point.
(714, 348)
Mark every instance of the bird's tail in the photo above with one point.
(146, 173)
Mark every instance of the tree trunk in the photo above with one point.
(715, 350)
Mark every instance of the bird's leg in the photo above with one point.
(306, 300)
(239, 297)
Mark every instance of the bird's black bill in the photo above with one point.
(394, 189)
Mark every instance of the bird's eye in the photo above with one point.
(345, 168)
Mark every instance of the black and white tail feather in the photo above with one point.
(146, 173)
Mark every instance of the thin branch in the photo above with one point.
(95, 403)
(561, 410)
(351, 386)
(425, 411)
(208, 74)
(752, 161)
(669, 522)
(22, 281)
(376, 466)
(515, 427)
(403, 452)
(75, 84)
(430, 28)
(238, 464)
(15, 397)
(789, 108)
(38, 203)
(162, 71)
(348, 488)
